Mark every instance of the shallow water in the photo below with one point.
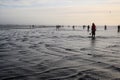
(47, 54)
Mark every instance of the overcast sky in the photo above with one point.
(66, 12)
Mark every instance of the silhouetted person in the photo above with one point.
(93, 29)
(57, 27)
(73, 27)
(118, 28)
(105, 27)
(88, 28)
(32, 26)
(83, 26)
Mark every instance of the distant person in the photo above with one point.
(33, 26)
(88, 28)
(83, 26)
(105, 27)
(93, 29)
(73, 27)
(118, 28)
(57, 27)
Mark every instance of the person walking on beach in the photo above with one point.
(93, 29)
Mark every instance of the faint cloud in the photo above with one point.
(54, 3)
(23, 3)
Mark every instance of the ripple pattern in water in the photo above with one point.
(47, 54)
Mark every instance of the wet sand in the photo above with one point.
(47, 54)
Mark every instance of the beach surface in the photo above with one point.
(66, 54)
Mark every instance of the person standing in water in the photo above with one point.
(73, 27)
(118, 28)
(88, 27)
(105, 27)
(93, 29)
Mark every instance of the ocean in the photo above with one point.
(48, 54)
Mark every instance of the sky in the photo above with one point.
(63, 12)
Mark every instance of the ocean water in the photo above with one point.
(66, 54)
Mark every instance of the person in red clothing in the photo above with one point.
(93, 29)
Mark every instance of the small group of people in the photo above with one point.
(93, 29)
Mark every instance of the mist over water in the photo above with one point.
(46, 54)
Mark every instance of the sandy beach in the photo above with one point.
(66, 54)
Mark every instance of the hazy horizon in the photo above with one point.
(64, 12)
